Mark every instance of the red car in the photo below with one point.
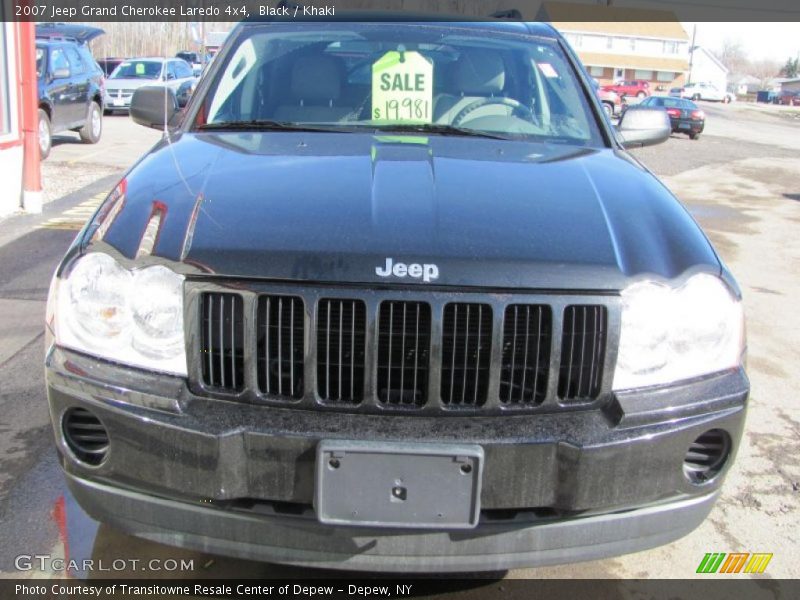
(636, 87)
(611, 102)
(788, 98)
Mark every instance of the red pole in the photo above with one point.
(29, 108)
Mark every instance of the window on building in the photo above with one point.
(575, 39)
(670, 47)
(641, 74)
(596, 71)
(665, 75)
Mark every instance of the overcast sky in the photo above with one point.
(778, 41)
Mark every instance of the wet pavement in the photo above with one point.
(745, 193)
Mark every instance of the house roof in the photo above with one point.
(633, 61)
(610, 20)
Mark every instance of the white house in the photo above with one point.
(623, 43)
(704, 67)
(746, 84)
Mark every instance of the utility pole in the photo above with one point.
(691, 53)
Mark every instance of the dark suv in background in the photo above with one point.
(70, 83)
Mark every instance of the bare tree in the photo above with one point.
(148, 38)
(764, 70)
(733, 56)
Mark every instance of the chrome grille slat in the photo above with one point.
(464, 345)
(397, 351)
(223, 341)
(581, 323)
(346, 345)
(519, 334)
(280, 345)
(280, 327)
(221, 355)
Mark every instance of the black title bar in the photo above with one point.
(82, 11)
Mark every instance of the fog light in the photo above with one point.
(707, 456)
(85, 435)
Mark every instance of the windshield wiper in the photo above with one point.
(436, 128)
(268, 125)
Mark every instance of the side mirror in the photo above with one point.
(62, 73)
(644, 126)
(153, 106)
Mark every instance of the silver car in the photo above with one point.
(134, 73)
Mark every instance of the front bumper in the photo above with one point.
(238, 479)
(115, 102)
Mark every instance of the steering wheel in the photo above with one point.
(517, 108)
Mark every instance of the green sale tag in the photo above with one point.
(402, 88)
(139, 68)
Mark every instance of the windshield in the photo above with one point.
(427, 77)
(137, 69)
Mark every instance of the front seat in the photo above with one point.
(314, 87)
(476, 75)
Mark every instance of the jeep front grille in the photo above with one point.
(381, 350)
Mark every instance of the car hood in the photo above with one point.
(330, 207)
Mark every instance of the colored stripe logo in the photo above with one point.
(734, 562)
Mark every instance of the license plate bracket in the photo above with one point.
(398, 484)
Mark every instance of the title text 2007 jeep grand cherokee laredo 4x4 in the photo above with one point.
(393, 296)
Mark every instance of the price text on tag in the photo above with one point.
(402, 88)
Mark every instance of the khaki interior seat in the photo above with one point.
(315, 85)
(477, 75)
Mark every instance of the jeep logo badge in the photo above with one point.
(425, 272)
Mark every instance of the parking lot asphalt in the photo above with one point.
(739, 180)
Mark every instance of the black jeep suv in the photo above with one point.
(394, 296)
(70, 83)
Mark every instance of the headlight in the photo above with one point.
(132, 317)
(672, 334)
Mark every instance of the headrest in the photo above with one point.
(479, 73)
(315, 78)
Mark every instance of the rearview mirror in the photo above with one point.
(644, 126)
(153, 106)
